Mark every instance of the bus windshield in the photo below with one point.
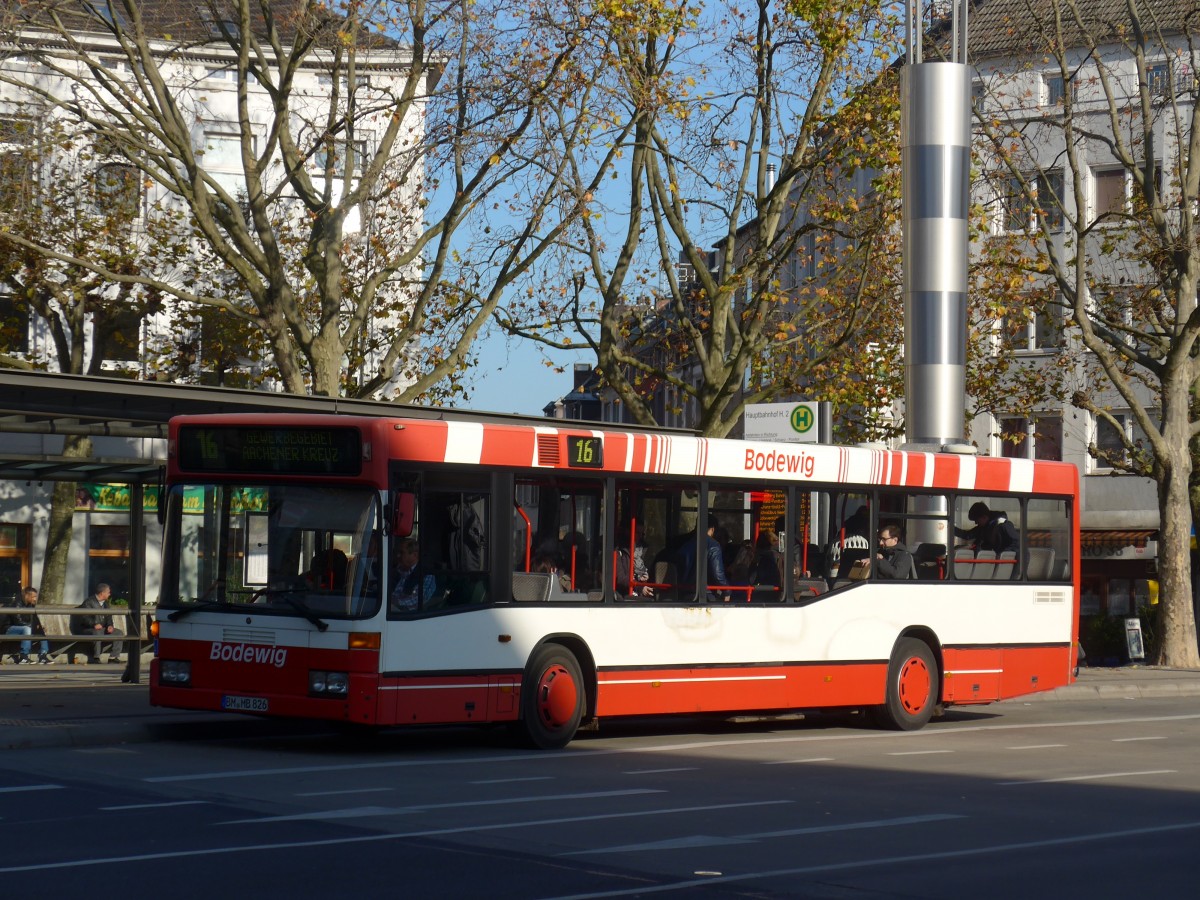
(292, 549)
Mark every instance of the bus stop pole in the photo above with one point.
(137, 584)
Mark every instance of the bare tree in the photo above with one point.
(327, 156)
(738, 156)
(1095, 152)
(51, 194)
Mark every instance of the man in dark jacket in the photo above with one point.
(713, 555)
(98, 625)
(25, 622)
(992, 530)
(893, 559)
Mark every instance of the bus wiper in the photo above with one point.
(298, 605)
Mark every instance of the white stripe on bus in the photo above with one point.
(684, 680)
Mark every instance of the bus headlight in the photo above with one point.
(174, 671)
(328, 684)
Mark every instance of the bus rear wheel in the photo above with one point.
(912, 682)
(552, 698)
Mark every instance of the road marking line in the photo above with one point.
(786, 762)
(918, 752)
(707, 840)
(512, 780)
(373, 790)
(659, 771)
(154, 805)
(375, 838)
(1147, 738)
(365, 811)
(1036, 747)
(1091, 777)
(931, 733)
(31, 787)
(852, 865)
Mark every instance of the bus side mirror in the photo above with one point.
(403, 512)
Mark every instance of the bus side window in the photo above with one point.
(454, 542)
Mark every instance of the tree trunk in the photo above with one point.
(1178, 618)
(58, 538)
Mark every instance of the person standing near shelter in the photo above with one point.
(26, 622)
(97, 624)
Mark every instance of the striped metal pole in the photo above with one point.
(935, 109)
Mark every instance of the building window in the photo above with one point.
(17, 171)
(223, 151)
(14, 324)
(1016, 206)
(1038, 438)
(1020, 214)
(1110, 440)
(108, 558)
(1158, 80)
(118, 339)
(1108, 192)
(14, 562)
(1053, 91)
(322, 160)
(978, 94)
(1041, 331)
(1049, 195)
(118, 190)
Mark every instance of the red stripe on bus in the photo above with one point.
(659, 692)
(509, 447)
(993, 475)
(1055, 479)
(915, 474)
(945, 472)
(421, 441)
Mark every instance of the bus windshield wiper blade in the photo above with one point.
(298, 605)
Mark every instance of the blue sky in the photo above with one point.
(512, 376)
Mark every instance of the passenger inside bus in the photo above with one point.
(327, 570)
(411, 585)
(545, 562)
(715, 563)
(854, 543)
(893, 559)
(993, 531)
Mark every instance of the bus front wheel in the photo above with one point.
(552, 697)
(912, 687)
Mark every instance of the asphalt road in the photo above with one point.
(1090, 799)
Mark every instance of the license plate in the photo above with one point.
(244, 704)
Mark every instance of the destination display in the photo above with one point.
(262, 450)
(585, 452)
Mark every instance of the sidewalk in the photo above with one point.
(82, 706)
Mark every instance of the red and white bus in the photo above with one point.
(421, 570)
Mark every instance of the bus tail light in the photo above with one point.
(364, 640)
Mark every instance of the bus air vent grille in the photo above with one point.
(248, 636)
(547, 450)
(1049, 597)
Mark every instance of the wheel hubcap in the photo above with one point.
(915, 685)
(557, 696)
